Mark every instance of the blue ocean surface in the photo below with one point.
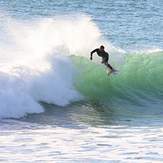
(59, 106)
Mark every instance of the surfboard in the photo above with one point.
(114, 72)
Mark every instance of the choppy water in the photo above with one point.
(44, 52)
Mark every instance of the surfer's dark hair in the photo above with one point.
(102, 47)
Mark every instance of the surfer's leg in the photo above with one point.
(105, 62)
(109, 66)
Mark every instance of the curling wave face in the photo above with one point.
(136, 87)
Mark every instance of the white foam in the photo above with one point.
(14, 98)
(56, 86)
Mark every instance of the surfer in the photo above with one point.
(105, 57)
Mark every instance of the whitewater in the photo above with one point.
(56, 105)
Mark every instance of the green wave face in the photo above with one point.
(139, 82)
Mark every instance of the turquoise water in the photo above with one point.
(57, 105)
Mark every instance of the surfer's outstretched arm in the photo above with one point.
(91, 56)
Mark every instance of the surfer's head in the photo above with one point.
(102, 47)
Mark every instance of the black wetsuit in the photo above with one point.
(104, 55)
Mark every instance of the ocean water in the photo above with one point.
(57, 105)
